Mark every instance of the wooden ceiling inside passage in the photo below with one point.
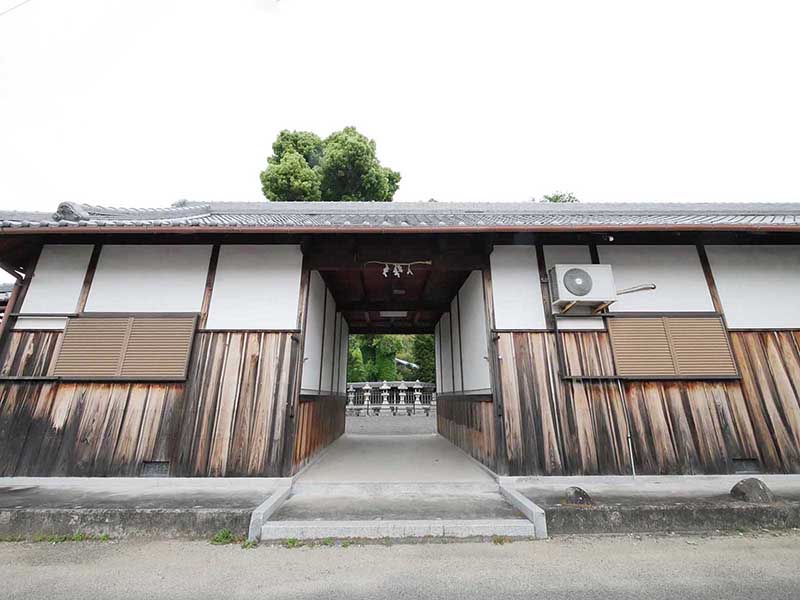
(364, 295)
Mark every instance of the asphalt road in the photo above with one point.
(729, 567)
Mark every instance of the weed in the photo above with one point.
(12, 538)
(327, 542)
(226, 536)
(75, 537)
(499, 540)
(249, 544)
(346, 543)
(292, 543)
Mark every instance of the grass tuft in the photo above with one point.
(75, 537)
(292, 543)
(226, 536)
(500, 540)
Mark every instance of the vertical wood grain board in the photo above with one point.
(468, 422)
(320, 421)
(226, 420)
(557, 427)
(29, 353)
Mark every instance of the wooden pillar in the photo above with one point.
(15, 301)
(210, 277)
(501, 453)
(296, 376)
(88, 278)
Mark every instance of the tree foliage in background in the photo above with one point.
(563, 197)
(371, 357)
(343, 167)
(425, 357)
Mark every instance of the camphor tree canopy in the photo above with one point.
(342, 167)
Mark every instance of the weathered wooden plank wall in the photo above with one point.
(320, 421)
(769, 362)
(235, 408)
(468, 422)
(228, 419)
(581, 427)
(29, 353)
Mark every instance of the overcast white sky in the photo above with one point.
(145, 102)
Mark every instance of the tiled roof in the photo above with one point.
(433, 216)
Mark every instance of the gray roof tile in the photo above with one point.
(406, 215)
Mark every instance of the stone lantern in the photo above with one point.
(385, 395)
(366, 393)
(402, 389)
(417, 395)
(351, 401)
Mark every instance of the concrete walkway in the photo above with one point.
(650, 489)
(400, 424)
(121, 507)
(733, 567)
(394, 459)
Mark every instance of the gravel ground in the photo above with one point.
(730, 567)
(391, 425)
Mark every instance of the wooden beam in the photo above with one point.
(88, 278)
(594, 254)
(210, 277)
(296, 375)
(501, 453)
(407, 305)
(710, 281)
(331, 259)
(544, 283)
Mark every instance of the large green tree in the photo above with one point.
(343, 167)
(371, 357)
(425, 357)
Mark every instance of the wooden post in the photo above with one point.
(210, 277)
(16, 300)
(544, 283)
(296, 376)
(501, 453)
(88, 278)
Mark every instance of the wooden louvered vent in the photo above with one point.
(137, 347)
(671, 347)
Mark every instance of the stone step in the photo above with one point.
(395, 529)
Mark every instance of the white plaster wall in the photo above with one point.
(153, 278)
(312, 352)
(474, 346)
(516, 288)
(566, 255)
(56, 284)
(329, 351)
(455, 337)
(759, 286)
(256, 287)
(447, 354)
(676, 270)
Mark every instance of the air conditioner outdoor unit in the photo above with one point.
(589, 286)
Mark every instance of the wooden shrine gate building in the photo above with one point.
(211, 339)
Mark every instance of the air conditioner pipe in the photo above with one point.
(644, 287)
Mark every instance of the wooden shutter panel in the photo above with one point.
(700, 347)
(671, 346)
(158, 347)
(91, 347)
(126, 347)
(641, 347)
